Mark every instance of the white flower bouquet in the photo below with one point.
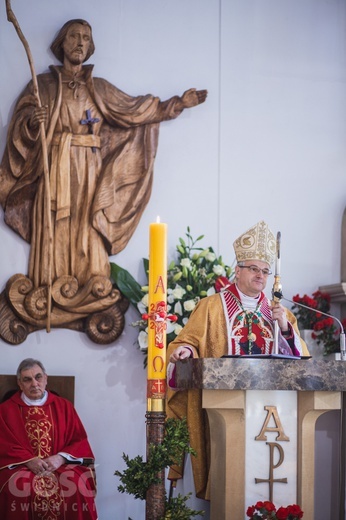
(196, 273)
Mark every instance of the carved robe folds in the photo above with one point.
(100, 182)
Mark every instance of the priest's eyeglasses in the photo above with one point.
(256, 270)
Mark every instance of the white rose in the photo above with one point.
(219, 270)
(185, 262)
(189, 305)
(211, 291)
(178, 292)
(210, 256)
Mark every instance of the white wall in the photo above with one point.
(269, 144)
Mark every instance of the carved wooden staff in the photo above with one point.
(47, 224)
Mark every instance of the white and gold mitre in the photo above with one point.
(258, 243)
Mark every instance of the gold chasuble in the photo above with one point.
(27, 432)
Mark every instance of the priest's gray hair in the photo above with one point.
(29, 363)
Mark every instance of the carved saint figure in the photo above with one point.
(101, 144)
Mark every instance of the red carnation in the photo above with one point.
(267, 510)
(269, 506)
(322, 296)
(250, 511)
(282, 513)
(295, 510)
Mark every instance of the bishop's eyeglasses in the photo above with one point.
(256, 270)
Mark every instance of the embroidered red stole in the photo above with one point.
(47, 497)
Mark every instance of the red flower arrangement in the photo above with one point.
(324, 328)
(267, 511)
(307, 318)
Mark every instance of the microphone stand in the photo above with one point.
(342, 333)
(277, 291)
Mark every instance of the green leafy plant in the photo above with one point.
(177, 509)
(140, 474)
(196, 272)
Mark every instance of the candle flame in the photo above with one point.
(158, 220)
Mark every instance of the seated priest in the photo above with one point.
(45, 455)
(239, 320)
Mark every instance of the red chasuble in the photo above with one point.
(27, 432)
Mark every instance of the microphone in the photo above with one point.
(280, 296)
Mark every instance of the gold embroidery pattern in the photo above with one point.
(48, 500)
(38, 428)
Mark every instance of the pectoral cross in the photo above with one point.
(90, 121)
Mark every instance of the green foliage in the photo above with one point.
(177, 441)
(140, 475)
(129, 287)
(177, 509)
(137, 478)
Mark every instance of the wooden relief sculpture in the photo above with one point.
(86, 202)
